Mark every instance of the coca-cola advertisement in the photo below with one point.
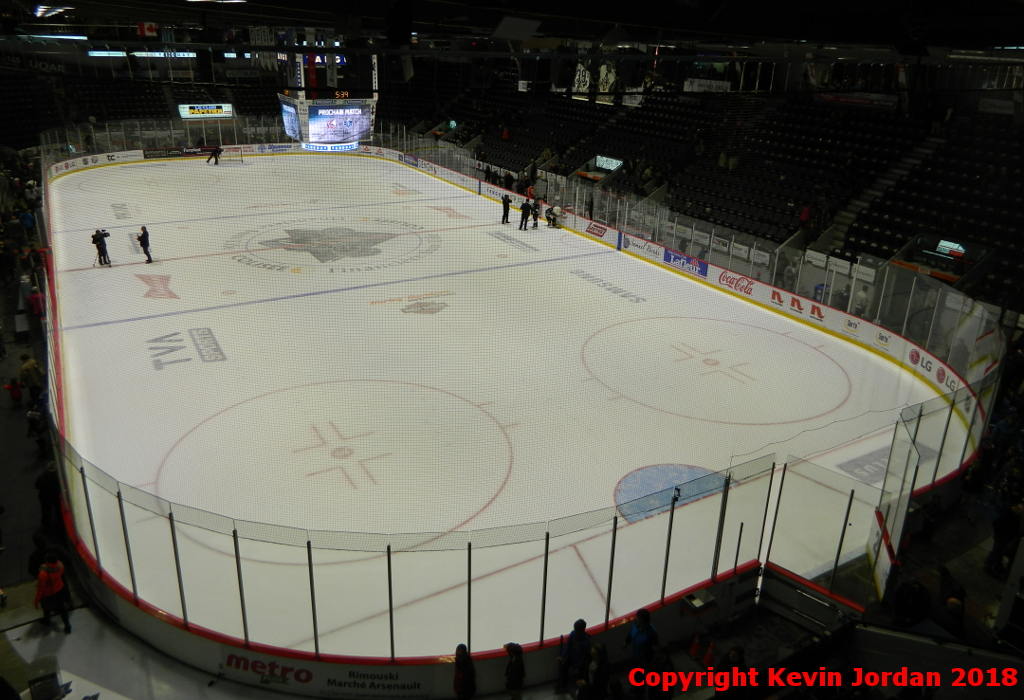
(736, 282)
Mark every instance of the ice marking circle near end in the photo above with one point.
(372, 456)
(717, 371)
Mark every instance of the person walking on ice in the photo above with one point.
(143, 239)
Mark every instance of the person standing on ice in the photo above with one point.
(506, 204)
(525, 218)
(143, 239)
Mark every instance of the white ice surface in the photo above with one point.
(525, 398)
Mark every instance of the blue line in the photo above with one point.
(270, 212)
(330, 291)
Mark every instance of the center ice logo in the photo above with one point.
(331, 244)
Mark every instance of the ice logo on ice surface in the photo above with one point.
(424, 307)
(331, 244)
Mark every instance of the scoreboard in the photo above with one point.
(328, 121)
(328, 76)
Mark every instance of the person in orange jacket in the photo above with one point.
(51, 591)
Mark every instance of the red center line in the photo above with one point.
(262, 250)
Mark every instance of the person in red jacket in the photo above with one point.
(51, 591)
(38, 303)
(15, 388)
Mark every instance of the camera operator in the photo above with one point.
(99, 239)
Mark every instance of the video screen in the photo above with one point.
(950, 248)
(340, 124)
(606, 163)
(291, 121)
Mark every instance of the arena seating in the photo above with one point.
(422, 99)
(970, 188)
(28, 107)
(108, 100)
(559, 127)
(255, 100)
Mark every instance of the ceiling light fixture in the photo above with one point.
(43, 11)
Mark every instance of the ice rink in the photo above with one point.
(344, 344)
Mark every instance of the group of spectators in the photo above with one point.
(19, 197)
(20, 261)
(583, 668)
(995, 479)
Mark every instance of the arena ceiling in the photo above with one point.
(903, 23)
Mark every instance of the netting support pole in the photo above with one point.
(910, 300)
(736, 560)
(611, 572)
(945, 433)
(177, 568)
(721, 526)
(668, 541)
(391, 606)
(970, 428)
(469, 596)
(775, 519)
(312, 598)
(764, 520)
(241, 588)
(92, 522)
(128, 547)
(842, 536)
(544, 588)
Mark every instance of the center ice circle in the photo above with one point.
(716, 370)
(354, 456)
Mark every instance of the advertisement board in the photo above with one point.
(208, 111)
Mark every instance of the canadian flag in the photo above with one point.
(148, 28)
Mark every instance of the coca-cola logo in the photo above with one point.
(741, 284)
(596, 230)
(915, 357)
